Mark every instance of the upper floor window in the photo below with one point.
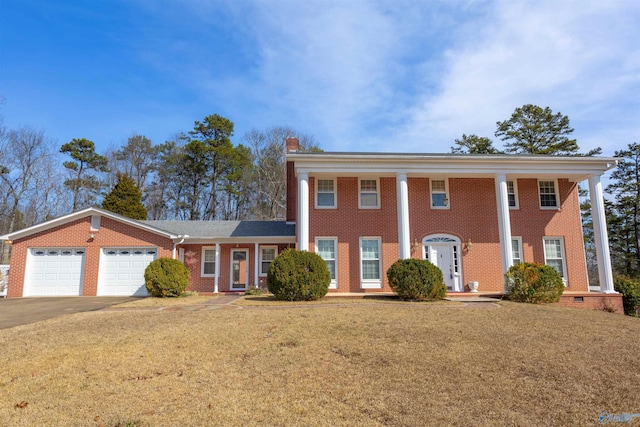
(548, 194)
(267, 255)
(439, 194)
(512, 193)
(325, 193)
(208, 262)
(369, 194)
(95, 222)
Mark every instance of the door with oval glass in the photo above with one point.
(444, 253)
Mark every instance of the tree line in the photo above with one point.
(195, 175)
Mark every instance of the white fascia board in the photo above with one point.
(461, 166)
(243, 240)
(74, 216)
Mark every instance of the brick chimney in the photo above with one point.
(293, 145)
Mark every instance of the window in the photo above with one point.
(548, 196)
(554, 255)
(95, 222)
(512, 194)
(326, 248)
(325, 193)
(439, 199)
(516, 250)
(267, 255)
(208, 262)
(369, 195)
(370, 262)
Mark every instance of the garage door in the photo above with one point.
(122, 270)
(54, 272)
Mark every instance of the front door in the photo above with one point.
(239, 269)
(445, 257)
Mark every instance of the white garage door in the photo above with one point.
(122, 270)
(54, 272)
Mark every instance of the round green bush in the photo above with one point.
(166, 277)
(630, 290)
(416, 279)
(298, 276)
(534, 283)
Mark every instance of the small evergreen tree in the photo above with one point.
(125, 198)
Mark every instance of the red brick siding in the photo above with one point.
(593, 301)
(76, 234)
(472, 215)
(349, 223)
(193, 261)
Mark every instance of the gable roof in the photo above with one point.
(186, 231)
(74, 216)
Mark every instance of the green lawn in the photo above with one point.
(365, 364)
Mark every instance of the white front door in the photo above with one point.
(239, 269)
(445, 255)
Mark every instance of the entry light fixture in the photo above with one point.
(416, 245)
(469, 244)
(92, 236)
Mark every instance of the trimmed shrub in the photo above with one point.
(534, 283)
(630, 290)
(298, 276)
(416, 279)
(166, 277)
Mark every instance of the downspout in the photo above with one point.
(175, 245)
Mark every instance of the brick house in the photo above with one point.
(472, 215)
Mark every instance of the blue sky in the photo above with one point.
(357, 75)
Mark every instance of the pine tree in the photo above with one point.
(125, 198)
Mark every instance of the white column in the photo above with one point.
(303, 212)
(215, 280)
(256, 266)
(404, 237)
(600, 236)
(504, 222)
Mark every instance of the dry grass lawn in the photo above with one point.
(362, 364)
(166, 302)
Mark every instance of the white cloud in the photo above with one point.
(571, 56)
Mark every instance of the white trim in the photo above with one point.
(202, 261)
(246, 251)
(334, 282)
(264, 274)
(334, 192)
(562, 254)
(65, 219)
(371, 283)
(514, 183)
(377, 181)
(557, 196)
(446, 193)
(518, 240)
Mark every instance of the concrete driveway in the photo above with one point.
(21, 311)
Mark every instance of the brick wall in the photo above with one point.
(76, 235)
(472, 214)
